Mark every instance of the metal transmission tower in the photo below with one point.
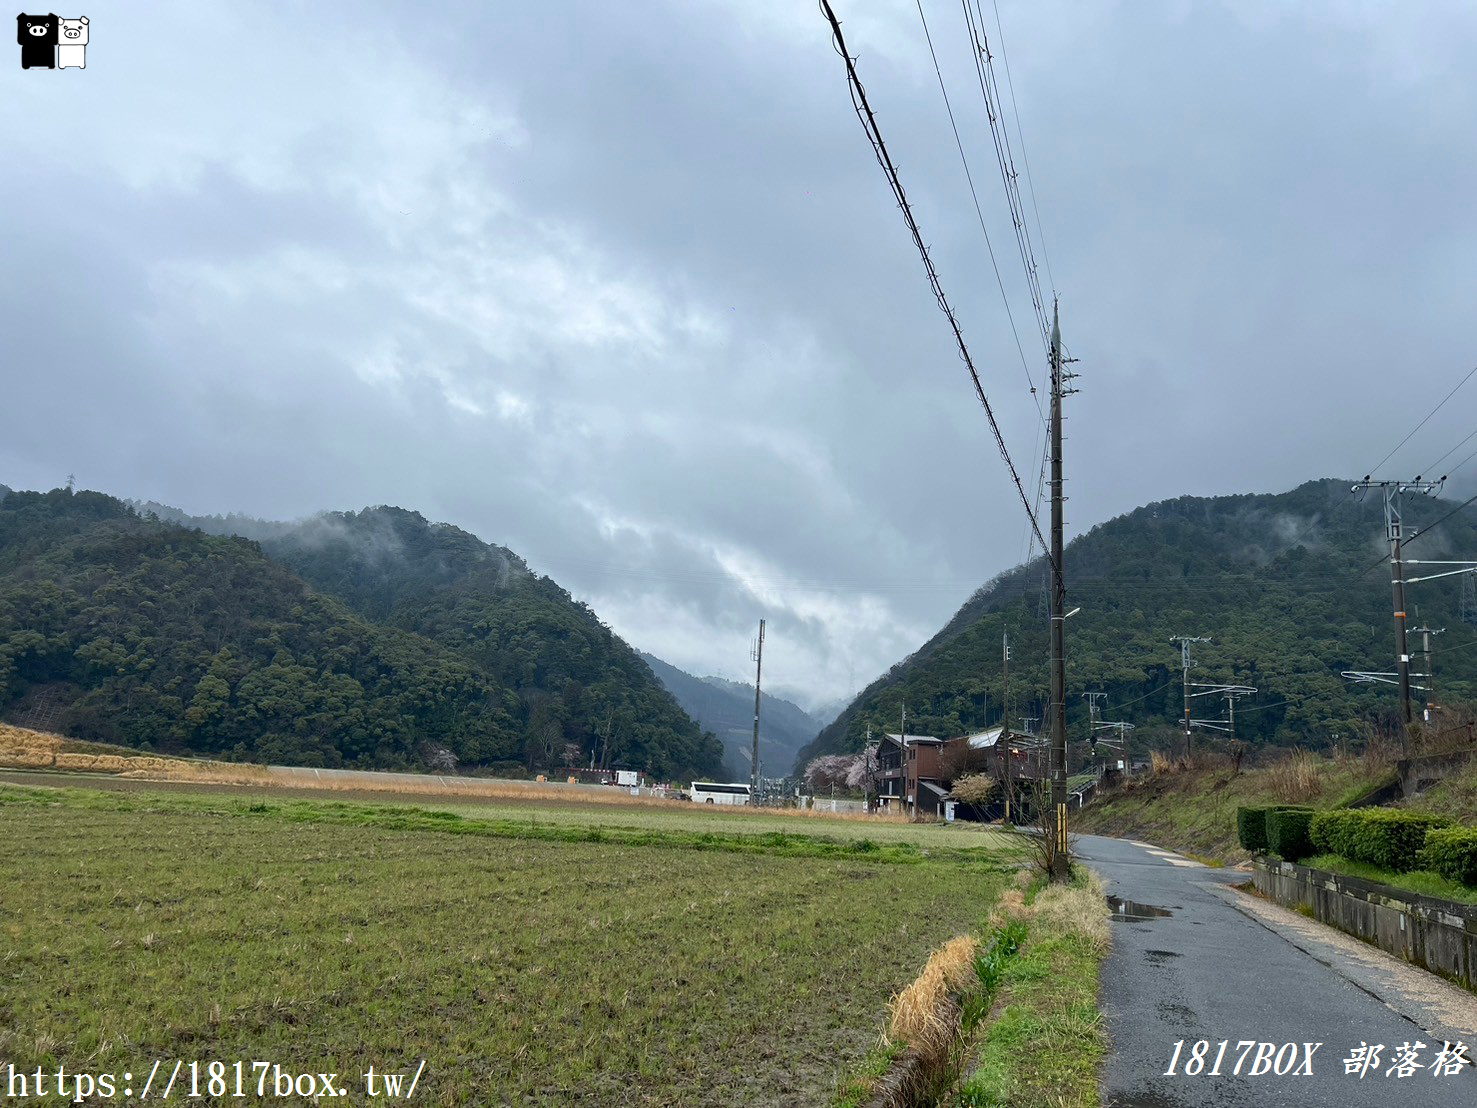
(1185, 665)
(757, 654)
(1469, 599)
(1394, 492)
(1058, 708)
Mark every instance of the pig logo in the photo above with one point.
(71, 48)
(38, 38)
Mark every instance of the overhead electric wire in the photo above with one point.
(1000, 135)
(1135, 700)
(1440, 521)
(1464, 461)
(884, 159)
(1458, 646)
(1432, 467)
(1021, 134)
(979, 213)
(1422, 423)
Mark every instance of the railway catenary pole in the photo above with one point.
(1185, 665)
(754, 762)
(1394, 492)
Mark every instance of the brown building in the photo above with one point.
(906, 763)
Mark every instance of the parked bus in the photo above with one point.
(712, 792)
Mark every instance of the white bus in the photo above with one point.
(711, 792)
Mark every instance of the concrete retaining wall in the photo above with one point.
(1440, 935)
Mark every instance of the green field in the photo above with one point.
(685, 960)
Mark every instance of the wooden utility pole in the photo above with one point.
(754, 762)
(1059, 865)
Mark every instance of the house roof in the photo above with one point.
(931, 787)
(983, 740)
(915, 740)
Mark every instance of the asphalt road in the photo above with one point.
(1225, 966)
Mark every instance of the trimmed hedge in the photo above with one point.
(1451, 852)
(1287, 832)
(1251, 828)
(1387, 837)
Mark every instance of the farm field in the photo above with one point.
(332, 937)
(645, 814)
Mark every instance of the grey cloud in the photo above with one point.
(623, 289)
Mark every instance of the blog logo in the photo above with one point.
(50, 42)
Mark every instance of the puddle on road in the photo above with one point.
(1130, 911)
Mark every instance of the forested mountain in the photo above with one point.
(1290, 588)
(727, 709)
(582, 690)
(437, 650)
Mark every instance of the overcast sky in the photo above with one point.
(620, 286)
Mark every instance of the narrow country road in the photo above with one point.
(1223, 965)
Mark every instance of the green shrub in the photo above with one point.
(1251, 828)
(1387, 837)
(1332, 831)
(1287, 832)
(1451, 852)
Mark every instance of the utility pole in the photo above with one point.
(1058, 613)
(1394, 493)
(758, 655)
(1005, 673)
(1185, 664)
(1092, 698)
(1425, 633)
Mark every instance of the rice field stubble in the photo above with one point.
(524, 970)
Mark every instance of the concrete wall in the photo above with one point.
(1440, 935)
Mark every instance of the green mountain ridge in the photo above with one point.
(1291, 588)
(726, 708)
(369, 639)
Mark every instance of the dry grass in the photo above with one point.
(1295, 778)
(1047, 1040)
(925, 1015)
(1075, 910)
(21, 748)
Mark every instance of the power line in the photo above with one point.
(1025, 160)
(1422, 423)
(1130, 703)
(1465, 460)
(1459, 646)
(968, 176)
(990, 92)
(1442, 520)
(884, 159)
(1432, 467)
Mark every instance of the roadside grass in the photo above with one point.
(1045, 1046)
(1455, 796)
(1194, 810)
(1423, 882)
(523, 969)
